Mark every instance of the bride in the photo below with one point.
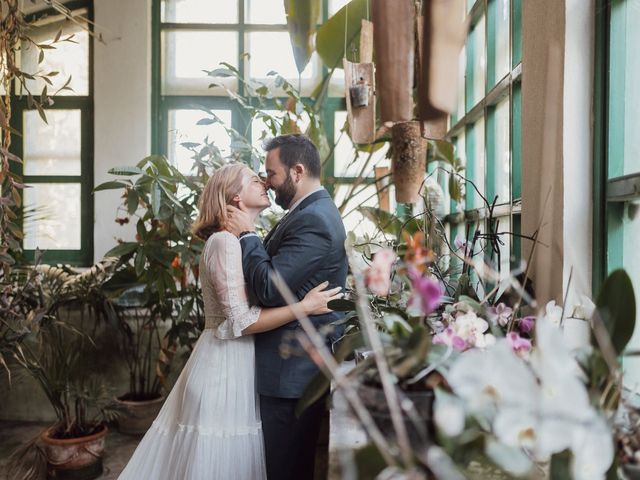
(209, 427)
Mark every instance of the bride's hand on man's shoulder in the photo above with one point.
(316, 300)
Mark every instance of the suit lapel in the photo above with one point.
(275, 233)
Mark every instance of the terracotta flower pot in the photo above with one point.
(74, 457)
(137, 416)
(408, 165)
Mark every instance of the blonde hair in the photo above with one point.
(223, 185)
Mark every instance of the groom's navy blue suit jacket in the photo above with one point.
(306, 248)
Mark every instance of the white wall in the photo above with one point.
(122, 95)
(578, 146)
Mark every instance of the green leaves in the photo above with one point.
(385, 221)
(113, 185)
(330, 40)
(302, 16)
(341, 305)
(319, 385)
(125, 171)
(616, 306)
(122, 249)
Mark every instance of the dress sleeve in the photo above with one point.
(224, 262)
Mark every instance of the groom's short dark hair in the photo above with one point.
(296, 148)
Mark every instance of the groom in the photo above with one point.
(306, 248)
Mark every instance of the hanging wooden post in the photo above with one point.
(393, 36)
(441, 35)
(383, 180)
(360, 88)
(409, 160)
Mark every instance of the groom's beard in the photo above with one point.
(285, 192)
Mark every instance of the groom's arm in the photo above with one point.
(300, 254)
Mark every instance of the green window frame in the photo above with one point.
(84, 104)
(616, 175)
(616, 165)
(163, 104)
(487, 131)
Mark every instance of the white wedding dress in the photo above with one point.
(209, 427)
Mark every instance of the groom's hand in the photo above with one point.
(238, 220)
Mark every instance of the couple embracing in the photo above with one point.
(231, 413)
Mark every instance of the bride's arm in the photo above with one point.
(224, 265)
(314, 303)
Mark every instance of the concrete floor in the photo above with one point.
(344, 434)
(117, 452)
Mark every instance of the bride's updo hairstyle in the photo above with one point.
(223, 185)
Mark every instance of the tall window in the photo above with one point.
(617, 149)
(486, 128)
(191, 36)
(58, 153)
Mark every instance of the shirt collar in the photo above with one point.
(299, 201)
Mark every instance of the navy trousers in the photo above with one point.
(290, 442)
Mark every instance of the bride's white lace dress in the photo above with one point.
(209, 427)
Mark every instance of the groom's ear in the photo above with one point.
(299, 169)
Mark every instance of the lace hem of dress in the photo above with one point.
(207, 431)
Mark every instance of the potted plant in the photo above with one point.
(51, 341)
(155, 285)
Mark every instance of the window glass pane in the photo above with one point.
(476, 64)
(442, 177)
(462, 62)
(624, 102)
(52, 148)
(69, 59)
(261, 127)
(186, 54)
(502, 167)
(199, 11)
(354, 221)
(477, 255)
(504, 226)
(631, 263)
(502, 62)
(349, 162)
(183, 128)
(461, 154)
(475, 170)
(266, 11)
(52, 216)
(272, 51)
(335, 5)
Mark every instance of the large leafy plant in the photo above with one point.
(62, 311)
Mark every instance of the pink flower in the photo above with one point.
(378, 276)
(448, 337)
(521, 346)
(502, 314)
(526, 324)
(427, 293)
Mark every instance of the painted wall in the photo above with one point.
(578, 148)
(122, 86)
(122, 112)
(542, 141)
